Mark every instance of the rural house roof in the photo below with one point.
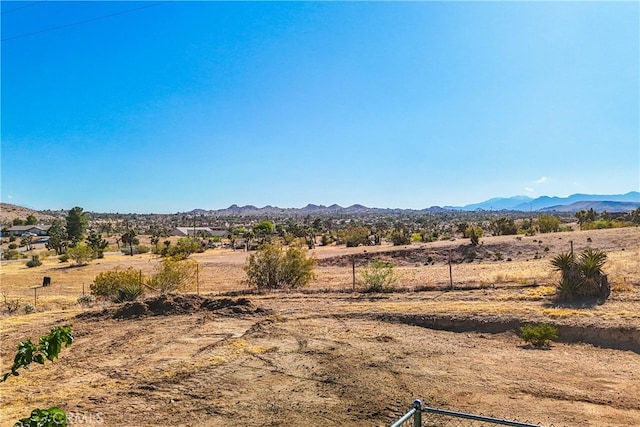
(189, 231)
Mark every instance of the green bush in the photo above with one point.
(378, 276)
(539, 335)
(13, 246)
(107, 283)
(29, 308)
(34, 262)
(271, 267)
(63, 258)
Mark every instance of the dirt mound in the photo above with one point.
(165, 305)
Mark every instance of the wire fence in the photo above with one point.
(425, 416)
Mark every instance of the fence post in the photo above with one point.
(417, 416)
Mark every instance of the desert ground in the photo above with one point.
(329, 356)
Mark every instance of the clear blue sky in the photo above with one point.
(169, 106)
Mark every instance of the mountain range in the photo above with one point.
(611, 203)
(575, 202)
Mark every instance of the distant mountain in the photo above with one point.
(596, 206)
(495, 204)
(310, 209)
(547, 202)
(524, 203)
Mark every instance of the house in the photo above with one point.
(200, 231)
(35, 230)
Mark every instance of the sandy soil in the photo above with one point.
(329, 358)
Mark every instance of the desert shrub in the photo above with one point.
(271, 267)
(548, 223)
(378, 276)
(174, 275)
(11, 306)
(34, 262)
(142, 249)
(355, 236)
(107, 283)
(182, 249)
(13, 246)
(80, 254)
(86, 299)
(11, 254)
(538, 335)
(63, 258)
(128, 292)
(29, 308)
(474, 233)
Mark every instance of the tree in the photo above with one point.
(97, 244)
(57, 237)
(129, 238)
(271, 267)
(27, 242)
(263, 230)
(31, 220)
(76, 224)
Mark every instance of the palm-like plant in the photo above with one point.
(590, 269)
(583, 277)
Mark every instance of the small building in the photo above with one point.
(36, 230)
(200, 231)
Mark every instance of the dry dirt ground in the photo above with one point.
(337, 358)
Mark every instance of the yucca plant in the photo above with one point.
(581, 277)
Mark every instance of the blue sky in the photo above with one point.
(170, 106)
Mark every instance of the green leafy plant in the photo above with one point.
(539, 335)
(52, 417)
(48, 347)
(378, 276)
(29, 308)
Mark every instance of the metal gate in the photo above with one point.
(425, 416)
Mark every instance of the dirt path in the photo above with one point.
(298, 362)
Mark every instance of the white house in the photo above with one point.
(200, 231)
(19, 230)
